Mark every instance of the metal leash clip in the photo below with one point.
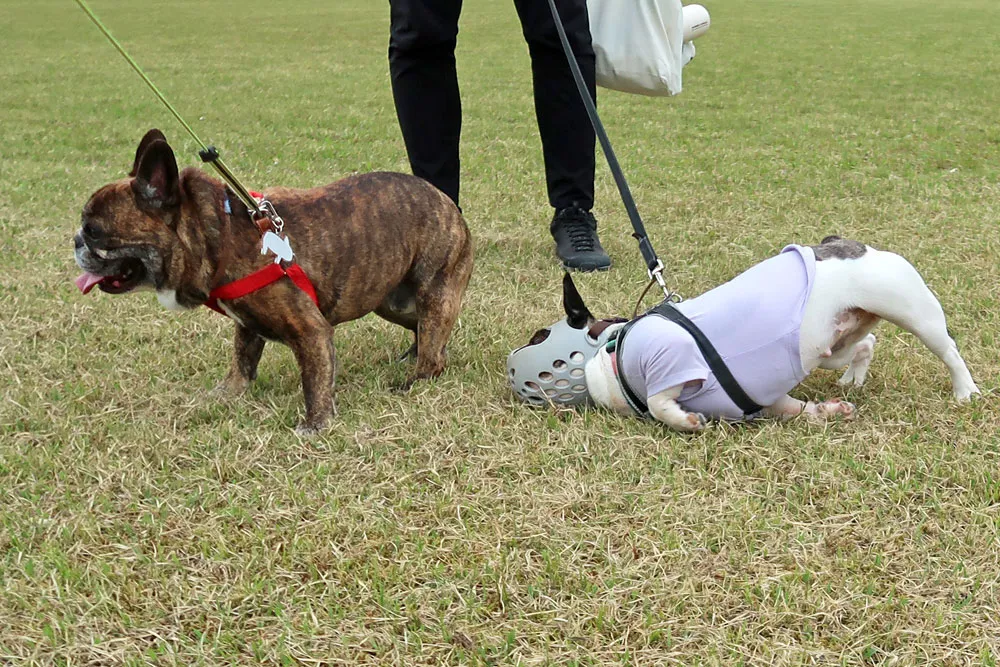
(656, 273)
(267, 208)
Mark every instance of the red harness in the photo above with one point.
(259, 280)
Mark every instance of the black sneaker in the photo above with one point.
(577, 245)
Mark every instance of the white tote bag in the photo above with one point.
(641, 45)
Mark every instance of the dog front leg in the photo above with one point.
(247, 350)
(665, 408)
(314, 352)
(787, 407)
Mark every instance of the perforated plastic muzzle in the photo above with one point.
(552, 371)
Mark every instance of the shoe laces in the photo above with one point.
(578, 226)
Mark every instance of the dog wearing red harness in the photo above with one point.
(382, 242)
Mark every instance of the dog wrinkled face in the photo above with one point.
(117, 255)
(126, 225)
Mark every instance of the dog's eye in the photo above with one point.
(539, 336)
(92, 231)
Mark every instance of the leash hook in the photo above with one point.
(656, 273)
(258, 207)
(267, 209)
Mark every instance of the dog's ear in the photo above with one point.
(577, 314)
(151, 136)
(155, 184)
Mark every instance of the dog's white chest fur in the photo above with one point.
(168, 299)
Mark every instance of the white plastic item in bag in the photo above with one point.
(638, 43)
(696, 22)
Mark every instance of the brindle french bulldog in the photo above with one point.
(381, 242)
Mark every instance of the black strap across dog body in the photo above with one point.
(667, 311)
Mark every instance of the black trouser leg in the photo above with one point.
(567, 135)
(425, 87)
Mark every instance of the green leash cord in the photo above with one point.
(207, 153)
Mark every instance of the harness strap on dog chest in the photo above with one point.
(714, 360)
(259, 280)
(614, 348)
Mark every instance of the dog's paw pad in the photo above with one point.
(695, 421)
(835, 408)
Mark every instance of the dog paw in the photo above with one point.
(965, 394)
(831, 409)
(228, 389)
(309, 429)
(694, 422)
(853, 377)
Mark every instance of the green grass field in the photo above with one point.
(144, 522)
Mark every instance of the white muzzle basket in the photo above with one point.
(552, 371)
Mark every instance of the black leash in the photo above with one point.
(667, 311)
(654, 266)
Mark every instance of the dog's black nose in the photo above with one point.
(77, 241)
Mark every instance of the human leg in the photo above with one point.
(422, 40)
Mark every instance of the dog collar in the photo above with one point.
(614, 348)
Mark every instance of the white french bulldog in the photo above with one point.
(805, 308)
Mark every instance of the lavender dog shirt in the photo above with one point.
(753, 321)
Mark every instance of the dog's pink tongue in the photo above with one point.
(87, 281)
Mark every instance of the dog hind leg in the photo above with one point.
(934, 334)
(400, 307)
(857, 358)
(896, 292)
(439, 301)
